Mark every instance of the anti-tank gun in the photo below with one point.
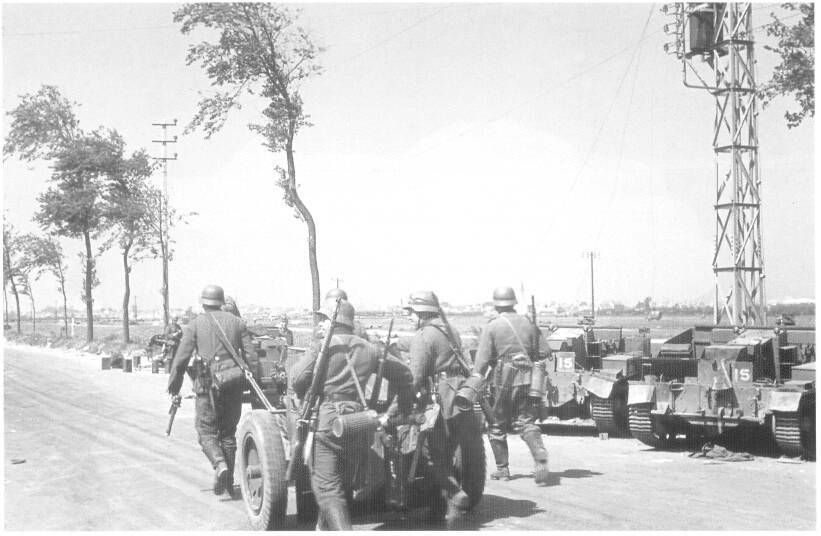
(268, 440)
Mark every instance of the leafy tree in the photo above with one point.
(47, 254)
(260, 51)
(26, 277)
(128, 211)
(11, 253)
(44, 126)
(795, 75)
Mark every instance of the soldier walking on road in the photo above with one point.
(218, 391)
(173, 334)
(438, 372)
(352, 360)
(508, 343)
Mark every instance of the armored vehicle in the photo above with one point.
(739, 384)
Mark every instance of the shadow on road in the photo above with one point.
(556, 478)
(494, 507)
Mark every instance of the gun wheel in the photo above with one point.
(261, 464)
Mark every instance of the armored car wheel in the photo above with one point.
(641, 427)
(470, 465)
(262, 465)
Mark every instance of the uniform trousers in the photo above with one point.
(518, 414)
(216, 422)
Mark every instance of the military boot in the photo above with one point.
(230, 458)
(220, 477)
(499, 449)
(334, 516)
(457, 511)
(533, 439)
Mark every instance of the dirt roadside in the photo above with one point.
(96, 458)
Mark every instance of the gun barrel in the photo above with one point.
(172, 412)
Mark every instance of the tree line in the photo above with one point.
(96, 193)
(101, 196)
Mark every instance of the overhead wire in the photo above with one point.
(393, 36)
(637, 56)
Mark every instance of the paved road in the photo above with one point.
(96, 458)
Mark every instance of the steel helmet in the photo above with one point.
(335, 293)
(345, 315)
(212, 295)
(504, 297)
(423, 301)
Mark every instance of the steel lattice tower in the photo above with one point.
(714, 42)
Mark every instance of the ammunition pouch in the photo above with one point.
(226, 375)
(521, 361)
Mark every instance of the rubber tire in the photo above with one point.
(260, 431)
(470, 466)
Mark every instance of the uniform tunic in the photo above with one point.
(217, 414)
(497, 345)
(433, 361)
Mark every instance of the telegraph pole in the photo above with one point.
(164, 211)
(714, 42)
(337, 280)
(592, 255)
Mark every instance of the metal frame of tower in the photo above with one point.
(714, 42)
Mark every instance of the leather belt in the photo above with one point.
(453, 373)
(340, 397)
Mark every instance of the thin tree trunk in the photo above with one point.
(13, 286)
(127, 294)
(33, 315)
(88, 283)
(65, 299)
(309, 221)
(5, 305)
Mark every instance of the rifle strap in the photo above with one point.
(228, 346)
(453, 348)
(359, 391)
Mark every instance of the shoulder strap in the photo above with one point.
(348, 369)
(453, 348)
(228, 346)
(509, 323)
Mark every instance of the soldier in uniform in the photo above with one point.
(438, 372)
(333, 458)
(508, 336)
(173, 334)
(217, 412)
(335, 293)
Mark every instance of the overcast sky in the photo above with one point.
(455, 147)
